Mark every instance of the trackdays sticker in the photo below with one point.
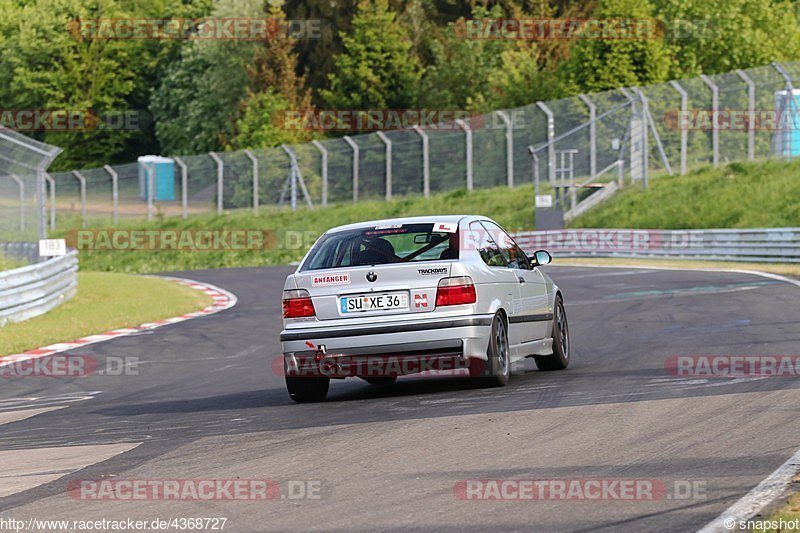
(445, 227)
(333, 279)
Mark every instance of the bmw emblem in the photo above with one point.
(371, 277)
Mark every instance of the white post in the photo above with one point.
(324, 170)
(254, 161)
(592, 134)
(751, 111)
(184, 187)
(114, 190)
(297, 178)
(52, 184)
(551, 147)
(388, 144)
(354, 146)
(509, 148)
(426, 162)
(714, 114)
(468, 135)
(82, 182)
(220, 180)
(21, 187)
(684, 133)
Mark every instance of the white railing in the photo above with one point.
(774, 245)
(32, 290)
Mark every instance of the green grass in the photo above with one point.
(7, 263)
(105, 301)
(294, 232)
(737, 195)
(789, 511)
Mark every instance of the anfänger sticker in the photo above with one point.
(333, 279)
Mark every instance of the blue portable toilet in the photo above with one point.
(164, 178)
(786, 142)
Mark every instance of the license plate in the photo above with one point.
(388, 301)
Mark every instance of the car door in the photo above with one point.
(499, 282)
(532, 316)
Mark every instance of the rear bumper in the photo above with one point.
(465, 336)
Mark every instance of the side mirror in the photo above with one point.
(541, 257)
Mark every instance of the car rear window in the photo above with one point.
(381, 245)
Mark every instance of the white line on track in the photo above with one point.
(777, 482)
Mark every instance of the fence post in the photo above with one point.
(220, 179)
(684, 132)
(534, 169)
(21, 187)
(714, 115)
(468, 136)
(645, 143)
(324, 171)
(114, 191)
(254, 160)
(388, 144)
(82, 181)
(789, 103)
(592, 134)
(354, 146)
(426, 162)
(151, 189)
(551, 147)
(184, 187)
(41, 195)
(52, 184)
(751, 111)
(649, 121)
(296, 178)
(509, 148)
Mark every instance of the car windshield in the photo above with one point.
(384, 244)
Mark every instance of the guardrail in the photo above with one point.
(771, 245)
(32, 290)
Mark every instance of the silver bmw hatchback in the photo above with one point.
(380, 299)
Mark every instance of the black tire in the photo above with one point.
(495, 371)
(382, 380)
(561, 343)
(307, 389)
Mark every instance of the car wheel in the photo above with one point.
(561, 344)
(307, 389)
(495, 371)
(382, 380)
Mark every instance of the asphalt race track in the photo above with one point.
(206, 404)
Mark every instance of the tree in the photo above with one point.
(198, 99)
(746, 33)
(601, 64)
(376, 70)
(50, 68)
(274, 87)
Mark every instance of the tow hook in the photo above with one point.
(320, 353)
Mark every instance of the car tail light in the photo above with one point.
(455, 291)
(297, 304)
